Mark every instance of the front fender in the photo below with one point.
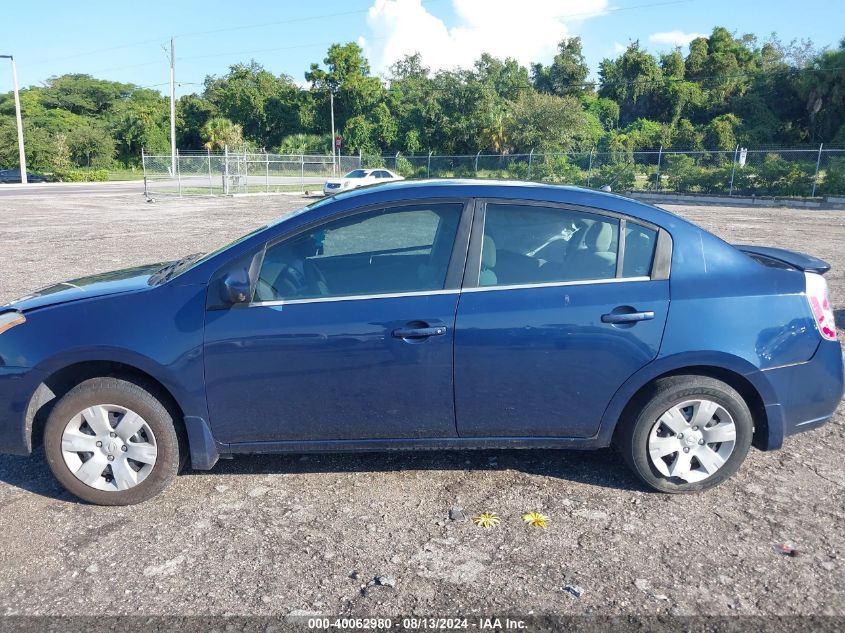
(182, 377)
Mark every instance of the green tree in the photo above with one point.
(347, 75)
(547, 123)
(192, 113)
(142, 120)
(823, 89)
(686, 136)
(264, 105)
(633, 80)
(720, 133)
(507, 78)
(567, 74)
(83, 94)
(91, 145)
(415, 104)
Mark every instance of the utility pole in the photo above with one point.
(172, 109)
(21, 153)
(331, 101)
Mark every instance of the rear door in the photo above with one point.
(559, 307)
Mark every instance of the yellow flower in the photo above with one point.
(536, 519)
(487, 520)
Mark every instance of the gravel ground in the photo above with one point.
(295, 534)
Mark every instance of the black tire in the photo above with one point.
(633, 433)
(124, 393)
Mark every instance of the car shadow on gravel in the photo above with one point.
(32, 474)
(599, 468)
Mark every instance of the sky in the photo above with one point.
(125, 41)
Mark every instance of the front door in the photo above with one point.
(553, 320)
(350, 333)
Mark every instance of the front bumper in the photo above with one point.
(17, 386)
(808, 393)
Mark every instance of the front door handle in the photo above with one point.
(627, 317)
(419, 332)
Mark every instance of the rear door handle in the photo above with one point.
(627, 317)
(419, 332)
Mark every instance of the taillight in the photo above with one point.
(819, 300)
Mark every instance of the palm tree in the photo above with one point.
(494, 130)
(219, 132)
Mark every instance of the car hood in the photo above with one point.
(114, 282)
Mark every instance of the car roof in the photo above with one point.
(507, 189)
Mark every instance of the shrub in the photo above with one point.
(372, 161)
(621, 176)
(833, 183)
(519, 171)
(779, 177)
(404, 167)
(81, 175)
(557, 169)
(682, 173)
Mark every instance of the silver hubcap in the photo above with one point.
(109, 447)
(692, 440)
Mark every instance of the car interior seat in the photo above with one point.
(488, 277)
(597, 258)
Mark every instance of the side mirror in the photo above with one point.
(235, 287)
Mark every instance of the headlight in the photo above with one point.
(8, 320)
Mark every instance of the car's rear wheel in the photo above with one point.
(112, 442)
(686, 434)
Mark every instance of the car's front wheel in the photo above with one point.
(687, 434)
(110, 441)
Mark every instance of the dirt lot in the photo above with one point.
(280, 535)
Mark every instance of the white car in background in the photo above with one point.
(359, 178)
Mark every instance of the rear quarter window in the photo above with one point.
(640, 244)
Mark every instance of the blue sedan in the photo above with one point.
(427, 315)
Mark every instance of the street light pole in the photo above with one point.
(21, 152)
(172, 109)
(331, 101)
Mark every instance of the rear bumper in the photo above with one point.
(807, 393)
(17, 385)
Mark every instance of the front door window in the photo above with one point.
(383, 251)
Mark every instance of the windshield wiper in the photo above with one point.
(173, 268)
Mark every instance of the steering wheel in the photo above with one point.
(295, 286)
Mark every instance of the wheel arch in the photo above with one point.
(62, 379)
(741, 375)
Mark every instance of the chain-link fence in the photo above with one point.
(227, 173)
(741, 172)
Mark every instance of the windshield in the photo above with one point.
(356, 173)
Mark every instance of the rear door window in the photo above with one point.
(531, 244)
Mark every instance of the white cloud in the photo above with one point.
(673, 38)
(619, 48)
(527, 30)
